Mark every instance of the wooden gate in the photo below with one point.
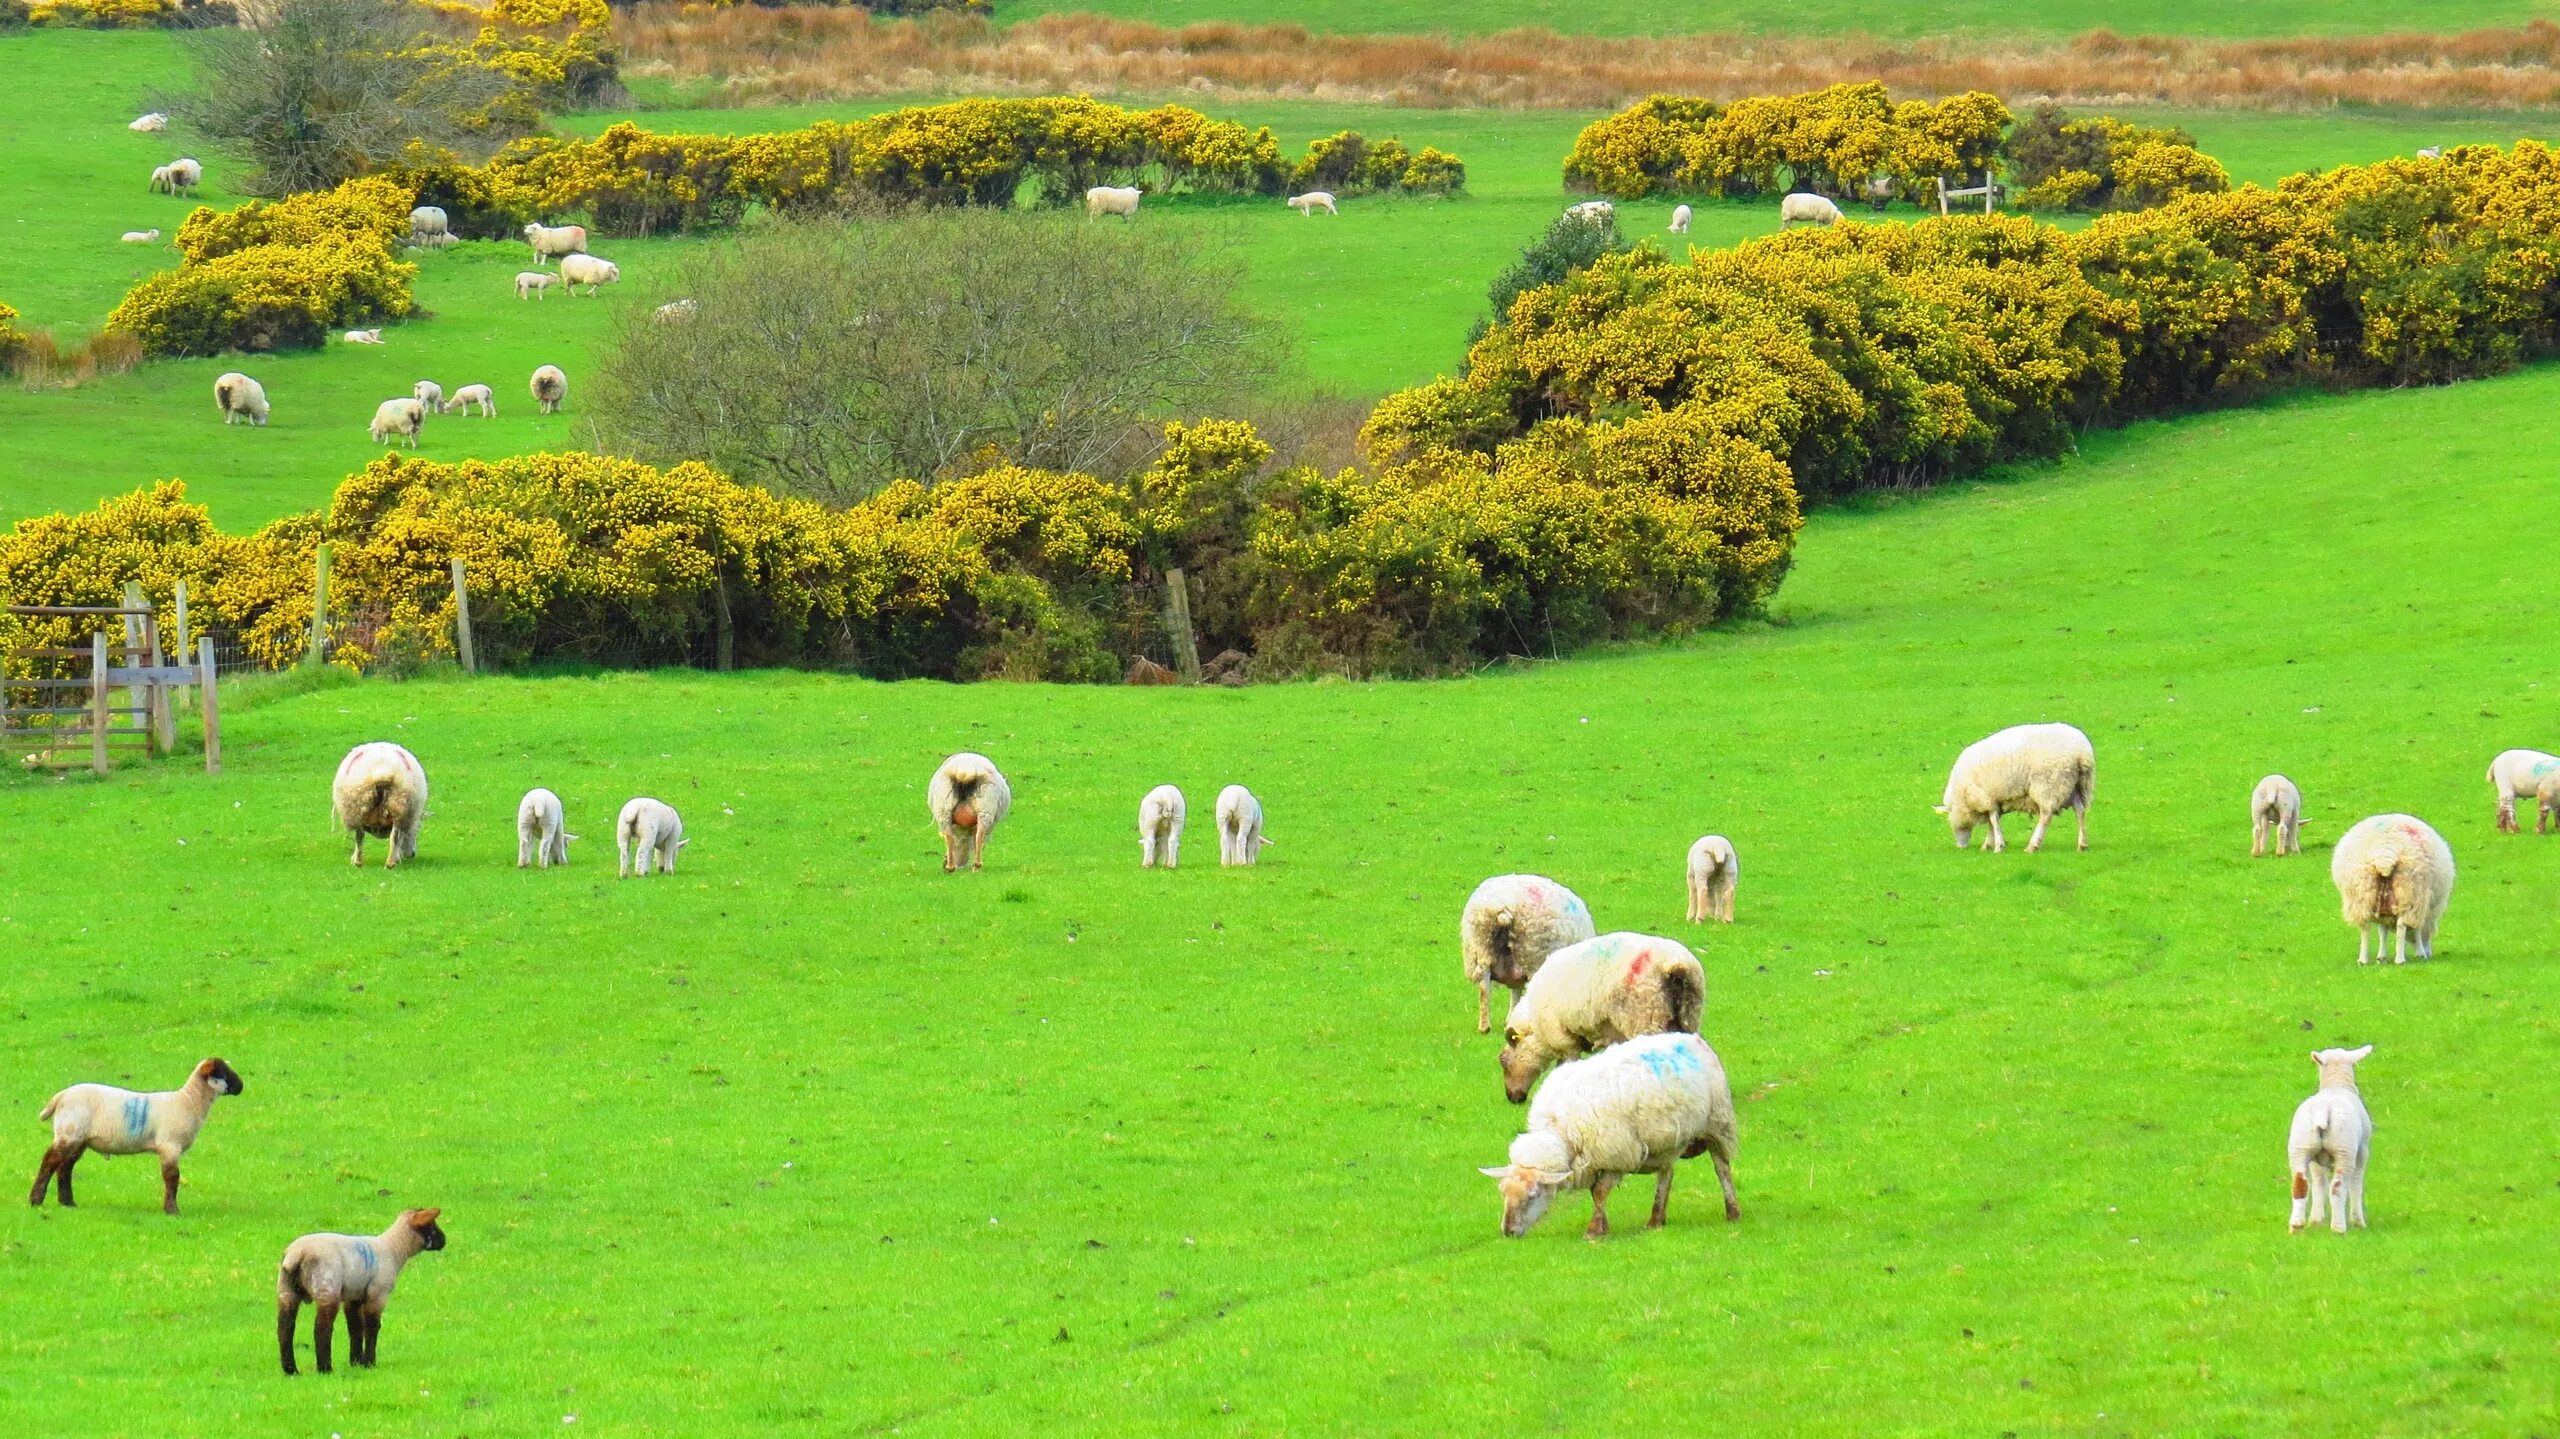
(73, 718)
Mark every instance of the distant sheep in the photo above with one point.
(1592, 211)
(397, 419)
(469, 396)
(1680, 217)
(1808, 209)
(2515, 772)
(2331, 1142)
(2546, 797)
(550, 387)
(1240, 836)
(1511, 924)
(1714, 873)
(534, 284)
(674, 312)
(380, 790)
(140, 237)
(2038, 769)
(2393, 870)
(102, 1119)
(647, 829)
(542, 830)
(587, 270)
(1312, 201)
(429, 394)
(1120, 200)
(967, 798)
(354, 1272)
(549, 242)
(146, 124)
(178, 177)
(1160, 817)
(163, 181)
(2431, 152)
(362, 337)
(1878, 190)
(1598, 993)
(427, 222)
(1636, 1108)
(2275, 808)
(240, 398)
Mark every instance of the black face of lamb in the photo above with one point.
(224, 1075)
(432, 1237)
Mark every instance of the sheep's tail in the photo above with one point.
(289, 1279)
(50, 1106)
(1684, 994)
(2084, 786)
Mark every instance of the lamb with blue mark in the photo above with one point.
(103, 1119)
(354, 1272)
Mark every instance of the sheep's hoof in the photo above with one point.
(2293, 1229)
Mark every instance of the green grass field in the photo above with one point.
(812, 1139)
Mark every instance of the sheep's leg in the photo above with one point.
(2301, 1201)
(950, 851)
(2035, 837)
(2364, 936)
(1721, 1151)
(978, 844)
(2258, 837)
(2337, 1202)
(2317, 1182)
(168, 1186)
(365, 1333)
(1724, 898)
(1600, 1187)
(524, 851)
(358, 858)
(1661, 1199)
(1173, 850)
(2399, 941)
(2081, 812)
(71, 1157)
(286, 1309)
(2355, 1198)
(1484, 1023)
(58, 1159)
(324, 1319)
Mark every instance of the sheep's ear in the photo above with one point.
(420, 1219)
(1496, 1171)
(2357, 1054)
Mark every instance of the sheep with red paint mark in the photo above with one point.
(1600, 992)
(1510, 925)
(102, 1119)
(381, 790)
(2394, 873)
(1635, 1108)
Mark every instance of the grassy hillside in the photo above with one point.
(813, 1140)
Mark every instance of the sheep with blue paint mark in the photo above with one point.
(1510, 925)
(2515, 772)
(1635, 1108)
(102, 1119)
(353, 1272)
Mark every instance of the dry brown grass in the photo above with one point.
(43, 363)
(762, 56)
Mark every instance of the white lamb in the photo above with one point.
(2393, 870)
(587, 270)
(542, 830)
(967, 797)
(426, 222)
(240, 398)
(1635, 1108)
(674, 312)
(1240, 836)
(429, 394)
(1312, 201)
(2038, 769)
(2546, 799)
(1680, 217)
(648, 829)
(470, 395)
(550, 388)
(146, 124)
(1592, 211)
(534, 284)
(163, 182)
(1597, 993)
(380, 790)
(1511, 924)
(363, 337)
(1160, 817)
(1809, 209)
(552, 241)
(2331, 1140)
(140, 237)
(2515, 772)
(1120, 200)
(102, 1119)
(2275, 808)
(401, 418)
(1714, 871)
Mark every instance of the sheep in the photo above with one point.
(1510, 925)
(140, 237)
(1807, 208)
(240, 398)
(1312, 201)
(102, 1119)
(674, 312)
(2275, 807)
(2393, 869)
(587, 270)
(355, 1272)
(2513, 773)
(1878, 190)
(178, 177)
(2546, 798)
(1714, 870)
(542, 831)
(968, 797)
(550, 388)
(1592, 212)
(428, 222)
(1680, 217)
(1160, 817)
(363, 337)
(1240, 837)
(534, 284)
(550, 242)
(147, 124)
(403, 417)
(2430, 152)
(429, 394)
(1120, 200)
(1637, 1108)
(163, 182)
(381, 789)
(470, 395)
(2038, 769)
(1597, 993)
(2331, 1140)
(648, 828)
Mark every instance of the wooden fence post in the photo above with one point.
(1177, 624)
(209, 706)
(98, 702)
(319, 607)
(462, 619)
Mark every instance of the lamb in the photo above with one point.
(1808, 209)
(647, 828)
(146, 124)
(1240, 837)
(470, 395)
(587, 270)
(550, 387)
(1592, 211)
(163, 182)
(2275, 807)
(240, 398)
(401, 417)
(381, 789)
(2546, 798)
(178, 177)
(363, 337)
(428, 222)
(552, 241)
(2038, 769)
(1637, 1108)
(1878, 190)
(2331, 1140)
(103, 1119)
(429, 394)
(1680, 216)
(2516, 772)
(674, 312)
(1160, 817)
(1312, 201)
(356, 1272)
(968, 797)
(542, 831)
(2430, 152)
(140, 237)
(2393, 869)
(1120, 200)
(1597, 993)
(534, 284)
(1511, 924)
(1713, 872)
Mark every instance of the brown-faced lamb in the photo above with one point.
(102, 1119)
(354, 1272)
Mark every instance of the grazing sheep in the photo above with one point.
(1120, 200)
(178, 177)
(2393, 869)
(1597, 993)
(542, 830)
(534, 284)
(967, 797)
(1160, 817)
(2431, 152)
(674, 312)
(470, 395)
(2331, 1140)
(1637, 1108)
(1511, 924)
(550, 387)
(1878, 190)
(102, 1119)
(163, 181)
(1592, 211)
(647, 828)
(429, 394)
(549, 242)
(1714, 870)
(587, 270)
(2546, 799)
(363, 337)
(240, 398)
(395, 418)
(1807, 209)
(2275, 807)
(355, 1272)
(146, 124)
(140, 237)
(2038, 769)
(427, 222)
(1312, 201)
(2516, 772)
(1680, 217)
(381, 789)
(1240, 837)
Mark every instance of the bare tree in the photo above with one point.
(828, 358)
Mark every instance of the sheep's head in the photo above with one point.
(1523, 1057)
(430, 1234)
(2338, 1066)
(220, 1077)
(1539, 1169)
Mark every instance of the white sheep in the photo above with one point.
(470, 395)
(354, 1272)
(2393, 869)
(102, 1119)
(2431, 152)
(427, 222)
(534, 284)
(552, 241)
(363, 337)
(674, 312)
(380, 790)
(1240, 836)
(147, 124)
(648, 828)
(1312, 201)
(429, 394)
(2275, 809)
(542, 830)
(1680, 217)
(1510, 925)
(140, 237)
(2546, 799)
(163, 182)
(1120, 200)
(1635, 1108)
(1806, 208)
(1592, 212)
(1714, 871)
(1160, 817)
(403, 417)
(587, 270)
(967, 797)
(550, 388)
(2332, 1139)
(2515, 772)
(185, 174)
(240, 398)
(2038, 769)
(1597, 993)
